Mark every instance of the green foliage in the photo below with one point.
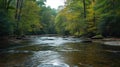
(30, 18)
(71, 18)
(4, 24)
(110, 26)
(90, 18)
(60, 23)
(5, 19)
(77, 17)
(110, 17)
(41, 2)
(47, 19)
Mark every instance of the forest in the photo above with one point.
(80, 33)
(77, 18)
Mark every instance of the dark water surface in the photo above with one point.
(60, 52)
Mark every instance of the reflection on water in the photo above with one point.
(60, 52)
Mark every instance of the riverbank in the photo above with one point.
(14, 41)
(6, 42)
(108, 41)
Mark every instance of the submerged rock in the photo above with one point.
(113, 43)
(86, 40)
(52, 65)
(97, 37)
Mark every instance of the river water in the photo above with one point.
(60, 52)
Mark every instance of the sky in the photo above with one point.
(54, 3)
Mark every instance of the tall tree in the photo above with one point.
(91, 18)
(19, 4)
(84, 6)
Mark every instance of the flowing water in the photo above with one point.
(59, 52)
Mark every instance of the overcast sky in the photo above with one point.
(54, 3)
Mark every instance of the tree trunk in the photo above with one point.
(84, 6)
(18, 13)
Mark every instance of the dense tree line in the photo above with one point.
(89, 18)
(20, 17)
(76, 17)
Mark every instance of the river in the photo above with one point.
(59, 52)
